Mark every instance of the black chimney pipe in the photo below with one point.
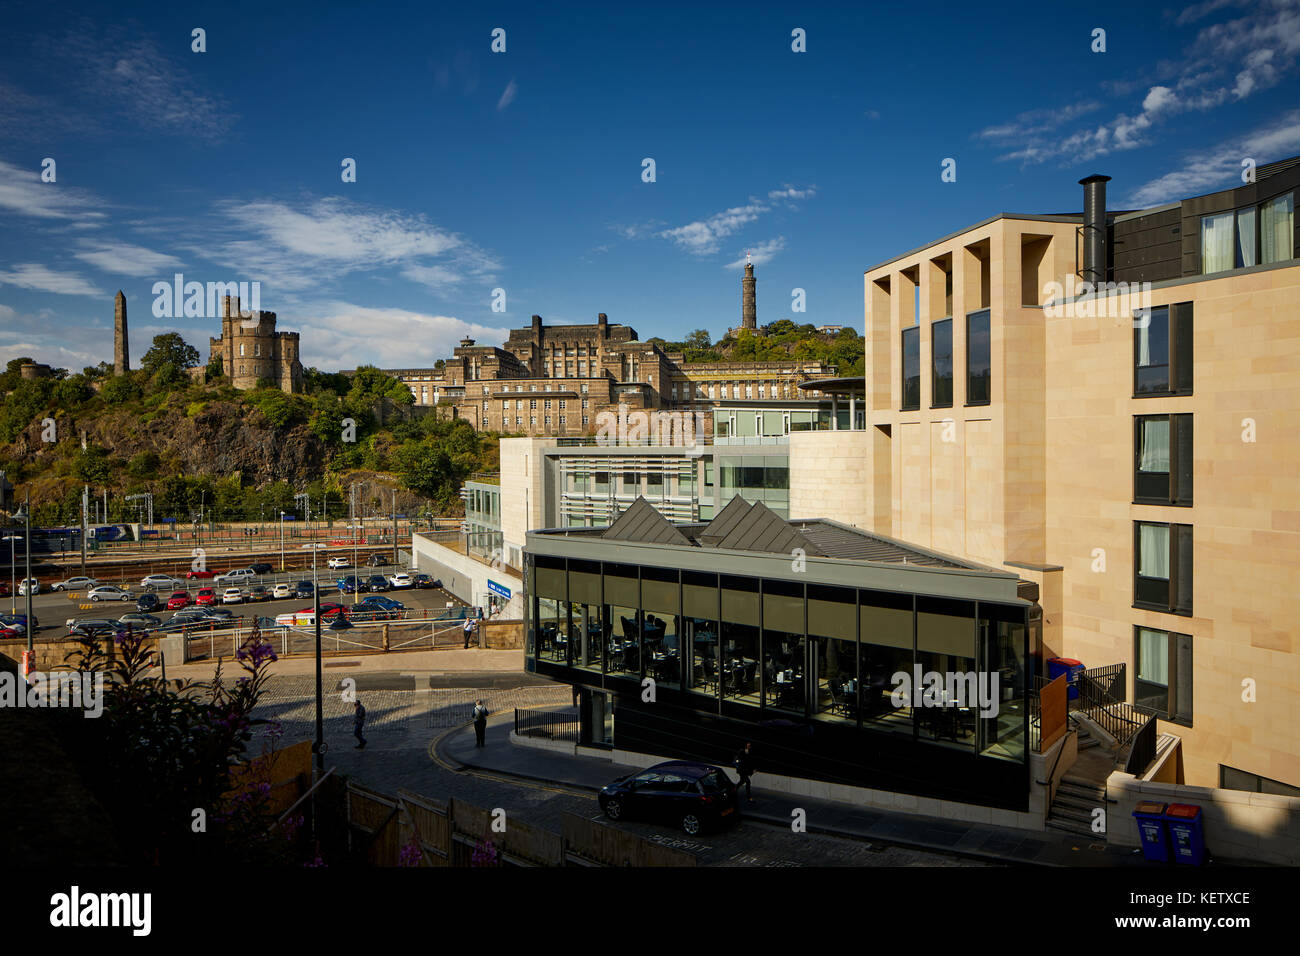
(1094, 229)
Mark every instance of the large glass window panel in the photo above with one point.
(832, 634)
(950, 691)
(588, 626)
(1003, 643)
(739, 657)
(1152, 479)
(885, 628)
(552, 630)
(979, 365)
(1277, 229)
(1217, 237)
(1245, 239)
(1163, 567)
(700, 610)
(911, 369)
(941, 364)
(783, 646)
(1151, 361)
(661, 625)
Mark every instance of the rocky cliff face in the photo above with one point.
(219, 440)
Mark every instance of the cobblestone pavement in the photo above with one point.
(401, 724)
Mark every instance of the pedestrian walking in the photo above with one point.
(469, 629)
(358, 721)
(480, 723)
(745, 767)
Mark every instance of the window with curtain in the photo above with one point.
(1245, 252)
(1162, 683)
(1153, 551)
(1277, 229)
(1162, 579)
(1217, 242)
(1154, 453)
(1163, 459)
(1162, 351)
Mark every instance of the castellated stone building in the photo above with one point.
(252, 350)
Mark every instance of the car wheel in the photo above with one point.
(58, 587)
(614, 810)
(690, 824)
(94, 598)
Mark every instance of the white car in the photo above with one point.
(232, 596)
(282, 591)
(400, 580)
(75, 584)
(237, 576)
(108, 592)
(316, 547)
(24, 584)
(339, 563)
(161, 582)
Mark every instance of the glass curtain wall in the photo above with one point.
(552, 626)
(700, 630)
(1003, 642)
(661, 629)
(885, 629)
(951, 692)
(622, 600)
(784, 687)
(741, 676)
(588, 627)
(834, 646)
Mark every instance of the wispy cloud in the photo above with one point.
(23, 193)
(33, 275)
(308, 245)
(508, 95)
(1225, 63)
(410, 338)
(760, 254)
(1220, 166)
(126, 259)
(703, 237)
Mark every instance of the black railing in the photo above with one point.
(1143, 750)
(1103, 693)
(554, 724)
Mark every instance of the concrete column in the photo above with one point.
(835, 413)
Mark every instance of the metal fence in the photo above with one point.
(554, 724)
(369, 636)
(1101, 697)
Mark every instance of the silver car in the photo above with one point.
(109, 592)
(75, 584)
(161, 582)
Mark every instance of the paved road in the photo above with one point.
(405, 715)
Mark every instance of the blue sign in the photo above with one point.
(500, 590)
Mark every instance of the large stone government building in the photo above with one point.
(554, 380)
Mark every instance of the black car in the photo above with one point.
(694, 796)
(148, 603)
(95, 628)
(261, 567)
(376, 561)
(422, 581)
(304, 589)
(376, 582)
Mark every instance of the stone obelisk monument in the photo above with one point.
(121, 357)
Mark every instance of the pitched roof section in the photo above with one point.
(641, 522)
(741, 526)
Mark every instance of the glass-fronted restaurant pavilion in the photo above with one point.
(790, 634)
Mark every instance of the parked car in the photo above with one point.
(206, 596)
(259, 592)
(18, 622)
(376, 583)
(203, 573)
(179, 599)
(694, 796)
(422, 580)
(349, 584)
(109, 592)
(233, 596)
(401, 580)
(161, 582)
(305, 617)
(75, 584)
(9, 632)
(339, 563)
(261, 567)
(379, 608)
(91, 628)
(376, 561)
(282, 590)
(304, 589)
(4, 588)
(26, 583)
(147, 603)
(218, 614)
(138, 620)
(236, 576)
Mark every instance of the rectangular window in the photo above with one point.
(1162, 684)
(1162, 351)
(979, 364)
(1162, 447)
(547, 404)
(1254, 235)
(941, 364)
(561, 421)
(911, 369)
(1162, 567)
(1277, 229)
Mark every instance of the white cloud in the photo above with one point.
(789, 192)
(343, 335)
(22, 192)
(33, 275)
(1220, 166)
(703, 236)
(508, 95)
(126, 259)
(760, 254)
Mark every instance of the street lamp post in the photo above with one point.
(320, 717)
(25, 512)
(282, 541)
(13, 574)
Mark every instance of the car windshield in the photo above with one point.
(712, 783)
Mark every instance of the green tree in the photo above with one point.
(699, 339)
(369, 384)
(120, 389)
(169, 347)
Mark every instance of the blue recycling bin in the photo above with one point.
(1071, 668)
(1152, 831)
(1186, 833)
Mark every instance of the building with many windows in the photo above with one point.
(1125, 445)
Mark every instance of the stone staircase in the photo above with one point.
(1083, 789)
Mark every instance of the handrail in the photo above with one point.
(297, 803)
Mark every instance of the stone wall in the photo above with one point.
(829, 473)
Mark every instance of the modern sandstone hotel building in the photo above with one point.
(1133, 450)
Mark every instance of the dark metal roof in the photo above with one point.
(755, 528)
(641, 522)
(839, 541)
(845, 385)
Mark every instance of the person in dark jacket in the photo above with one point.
(745, 767)
(480, 724)
(358, 721)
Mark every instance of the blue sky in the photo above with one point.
(522, 170)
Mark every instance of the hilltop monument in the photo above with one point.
(121, 357)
